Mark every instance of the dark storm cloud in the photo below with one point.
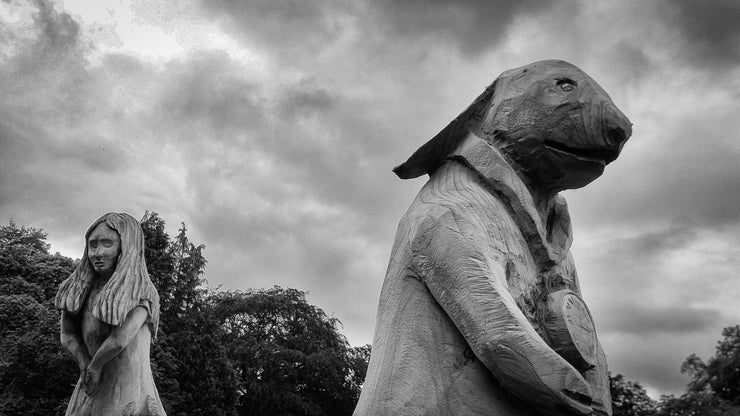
(652, 244)
(206, 86)
(38, 170)
(72, 137)
(343, 48)
(280, 199)
(711, 30)
(294, 26)
(473, 26)
(15, 144)
(59, 30)
(286, 242)
(654, 361)
(222, 115)
(257, 167)
(697, 176)
(53, 41)
(208, 99)
(642, 319)
(121, 65)
(633, 62)
(314, 135)
(306, 98)
(658, 295)
(292, 240)
(675, 263)
(46, 90)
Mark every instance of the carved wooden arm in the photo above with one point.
(118, 339)
(573, 336)
(598, 378)
(471, 287)
(71, 338)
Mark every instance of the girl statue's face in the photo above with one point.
(103, 248)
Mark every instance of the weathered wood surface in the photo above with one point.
(110, 312)
(571, 330)
(463, 320)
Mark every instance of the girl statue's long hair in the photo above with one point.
(128, 287)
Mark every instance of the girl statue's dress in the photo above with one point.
(108, 325)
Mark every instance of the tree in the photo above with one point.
(724, 367)
(159, 261)
(287, 354)
(176, 269)
(24, 253)
(714, 386)
(192, 370)
(190, 366)
(265, 352)
(693, 403)
(189, 289)
(721, 373)
(29, 238)
(629, 398)
(359, 358)
(36, 378)
(259, 352)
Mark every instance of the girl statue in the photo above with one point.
(110, 313)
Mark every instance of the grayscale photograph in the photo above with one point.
(369, 208)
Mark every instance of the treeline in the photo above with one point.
(713, 389)
(255, 352)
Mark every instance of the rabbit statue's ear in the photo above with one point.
(433, 153)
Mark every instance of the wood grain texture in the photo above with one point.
(108, 323)
(571, 329)
(480, 311)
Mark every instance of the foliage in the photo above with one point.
(359, 357)
(193, 374)
(29, 238)
(159, 261)
(176, 268)
(36, 378)
(24, 253)
(629, 398)
(265, 352)
(714, 386)
(724, 367)
(190, 366)
(693, 403)
(288, 355)
(259, 352)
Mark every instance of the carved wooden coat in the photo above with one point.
(480, 311)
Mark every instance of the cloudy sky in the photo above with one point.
(270, 128)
